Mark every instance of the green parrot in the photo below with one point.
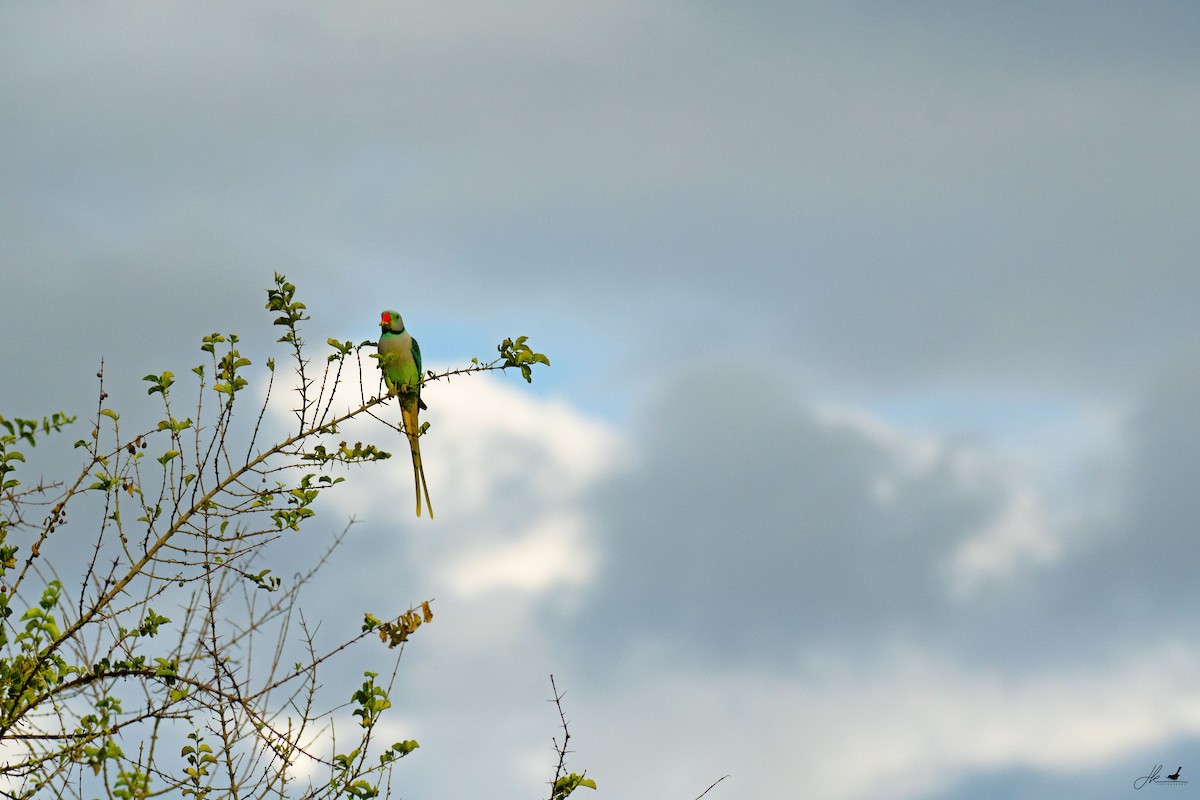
(400, 360)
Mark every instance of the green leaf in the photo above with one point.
(567, 784)
(406, 747)
(161, 382)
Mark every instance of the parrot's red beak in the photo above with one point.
(386, 319)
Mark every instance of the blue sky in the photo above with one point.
(867, 462)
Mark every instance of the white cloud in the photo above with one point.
(903, 725)
(494, 445)
(507, 470)
(554, 554)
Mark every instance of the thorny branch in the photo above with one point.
(79, 679)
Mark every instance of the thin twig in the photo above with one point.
(561, 749)
(709, 789)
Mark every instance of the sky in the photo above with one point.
(867, 465)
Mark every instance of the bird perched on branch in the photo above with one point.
(400, 361)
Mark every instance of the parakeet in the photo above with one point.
(400, 360)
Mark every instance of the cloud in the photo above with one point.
(753, 523)
(1145, 557)
(749, 531)
(556, 554)
(507, 471)
(908, 723)
(897, 208)
(1023, 532)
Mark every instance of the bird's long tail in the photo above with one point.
(411, 428)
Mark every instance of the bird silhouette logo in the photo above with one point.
(1157, 778)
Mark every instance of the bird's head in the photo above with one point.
(391, 321)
